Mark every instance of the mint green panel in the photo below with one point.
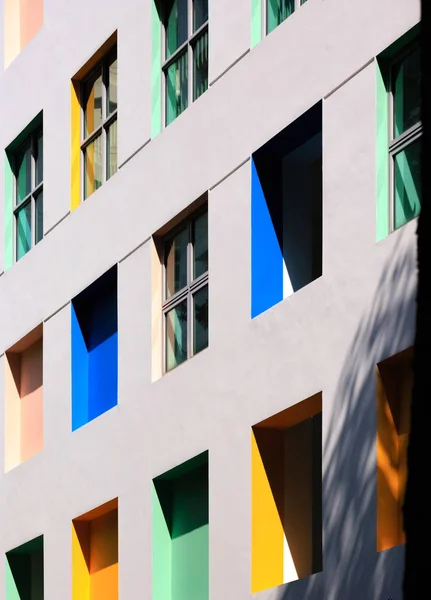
(156, 71)
(161, 551)
(256, 22)
(8, 214)
(190, 559)
(11, 589)
(382, 156)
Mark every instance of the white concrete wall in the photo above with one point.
(328, 336)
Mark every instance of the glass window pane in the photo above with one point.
(23, 231)
(200, 66)
(277, 12)
(176, 88)
(23, 172)
(176, 336)
(111, 149)
(176, 29)
(112, 87)
(200, 13)
(176, 262)
(39, 217)
(93, 170)
(408, 184)
(39, 158)
(407, 93)
(200, 320)
(92, 103)
(200, 245)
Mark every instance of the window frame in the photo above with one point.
(107, 121)
(192, 287)
(397, 144)
(188, 46)
(265, 5)
(32, 196)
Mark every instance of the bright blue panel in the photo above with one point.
(79, 375)
(266, 254)
(103, 377)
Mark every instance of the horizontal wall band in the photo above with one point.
(241, 164)
(134, 153)
(57, 223)
(364, 66)
(235, 62)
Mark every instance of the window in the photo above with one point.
(28, 192)
(185, 44)
(99, 124)
(277, 11)
(185, 290)
(405, 137)
(286, 212)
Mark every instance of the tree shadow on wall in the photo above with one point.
(352, 568)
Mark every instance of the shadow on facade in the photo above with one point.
(352, 568)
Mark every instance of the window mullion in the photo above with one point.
(32, 200)
(104, 114)
(189, 294)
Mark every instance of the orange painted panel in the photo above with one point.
(104, 557)
(31, 400)
(394, 383)
(31, 19)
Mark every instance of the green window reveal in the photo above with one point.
(266, 15)
(399, 134)
(181, 54)
(24, 192)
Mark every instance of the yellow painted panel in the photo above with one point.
(80, 572)
(267, 536)
(75, 149)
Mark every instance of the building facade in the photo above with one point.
(207, 297)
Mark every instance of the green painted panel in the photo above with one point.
(8, 214)
(156, 71)
(161, 551)
(256, 22)
(382, 156)
(190, 560)
(11, 589)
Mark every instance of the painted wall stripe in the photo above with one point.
(75, 150)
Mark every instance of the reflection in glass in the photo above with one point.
(93, 168)
(39, 159)
(176, 88)
(176, 335)
(23, 172)
(176, 262)
(111, 149)
(176, 29)
(407, 93)
(200, 238)
(407, 184)
(39, 217)
(277, 12)
(200, 66)
(23, 231)
(200, 13)
(112, 87)
(92, 103)
(200, 320)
